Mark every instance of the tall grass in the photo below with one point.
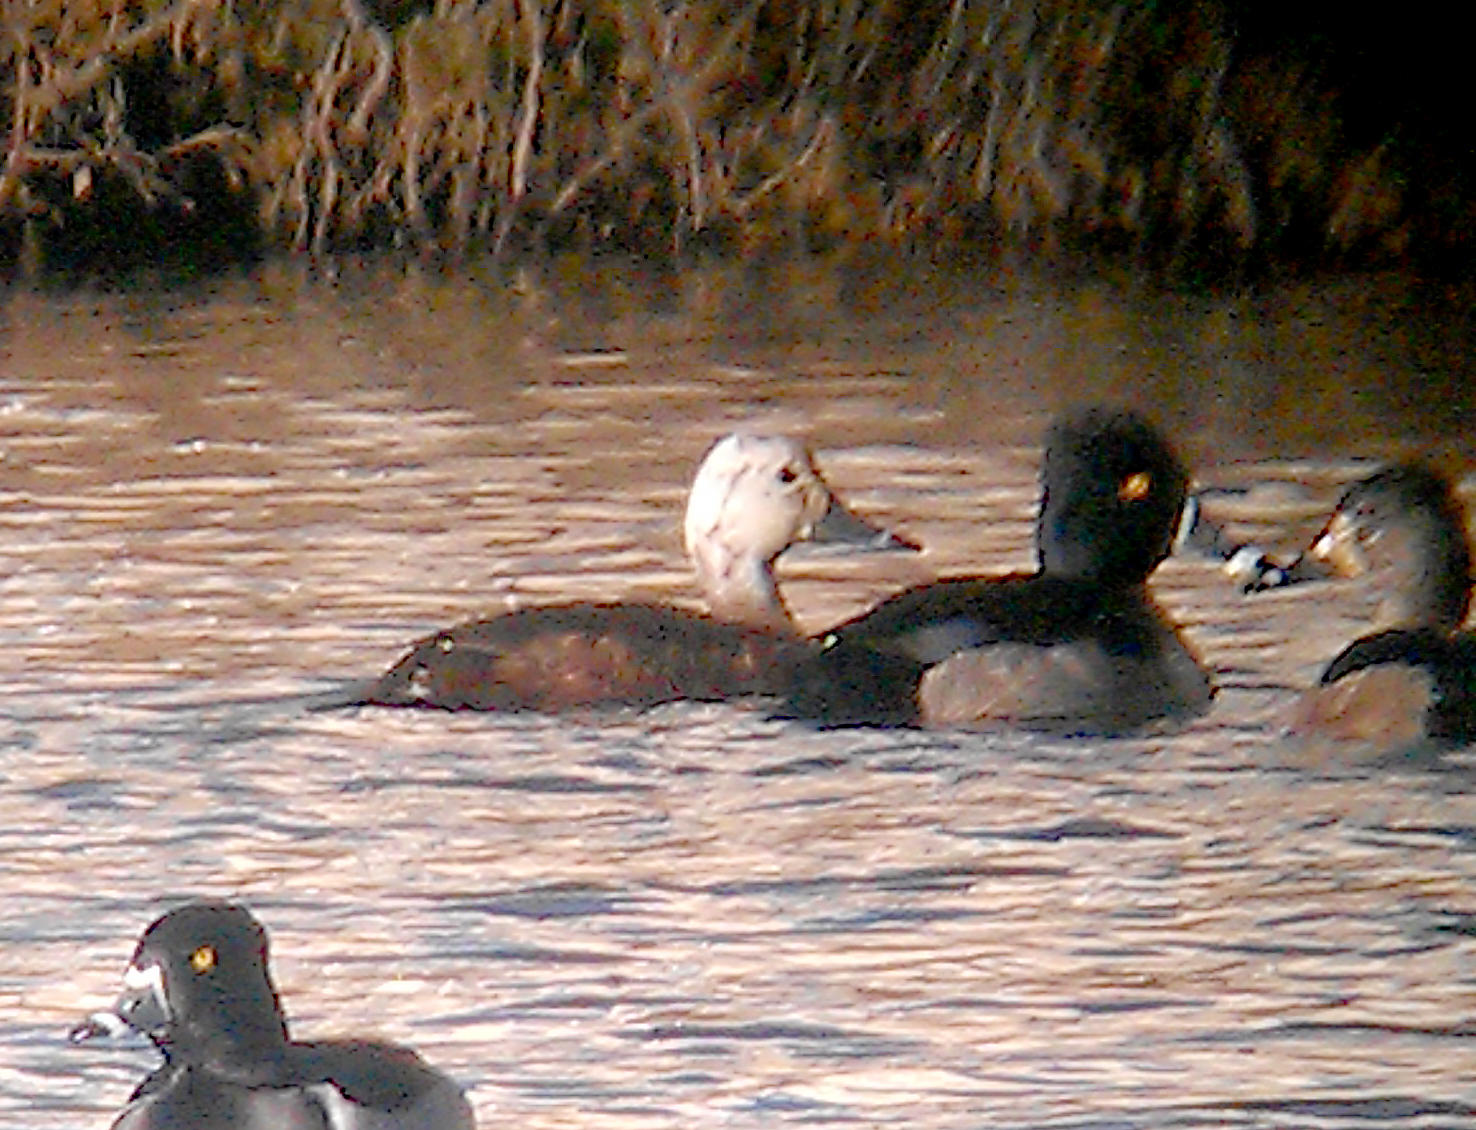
(659, 124)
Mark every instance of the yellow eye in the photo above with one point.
(1136, 486)
(203, 959)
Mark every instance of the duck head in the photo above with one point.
(198, 985)
(1404, 529)
(755, 496)
(1113, 491)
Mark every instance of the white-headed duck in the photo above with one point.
(753, 497)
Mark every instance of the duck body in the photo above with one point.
(348, 1085)
(1405, 687)
(754, 497)
(1076, 646)
(1409, 684)
(1029, 650)
(199, 987)
(569, 656)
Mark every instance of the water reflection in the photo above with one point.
(216, 506)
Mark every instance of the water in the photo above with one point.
(218, 505)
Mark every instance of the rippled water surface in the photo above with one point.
(216, 505)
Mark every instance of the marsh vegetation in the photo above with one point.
(1160, 132)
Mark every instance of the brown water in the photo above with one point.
(216, 504)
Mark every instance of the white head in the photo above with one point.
(753, 497)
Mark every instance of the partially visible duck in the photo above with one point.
(754, 496)
(1076, 646)
(200, 988)
(1411, 682)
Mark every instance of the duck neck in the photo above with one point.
(742, 590)
(1425, 575)
(227, 1047)
(244, 1027)
(1424, 602)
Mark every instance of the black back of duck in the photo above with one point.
(1438, 705)
(1042, 652)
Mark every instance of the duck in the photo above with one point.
(200, 988)
(1075, 647)
(1409, 684)
(754, 496)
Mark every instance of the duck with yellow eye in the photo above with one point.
(753, 498)
(200, 988)
(1410, 683)
(1075, 647)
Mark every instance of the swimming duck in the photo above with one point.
(753, 497)
(1075, 647)
(199, 987)
(1411, 682)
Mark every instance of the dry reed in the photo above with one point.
(461, 124)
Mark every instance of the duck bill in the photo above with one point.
(141, 1008)
(1337, 548)
(841, 531)
(1252, 567)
